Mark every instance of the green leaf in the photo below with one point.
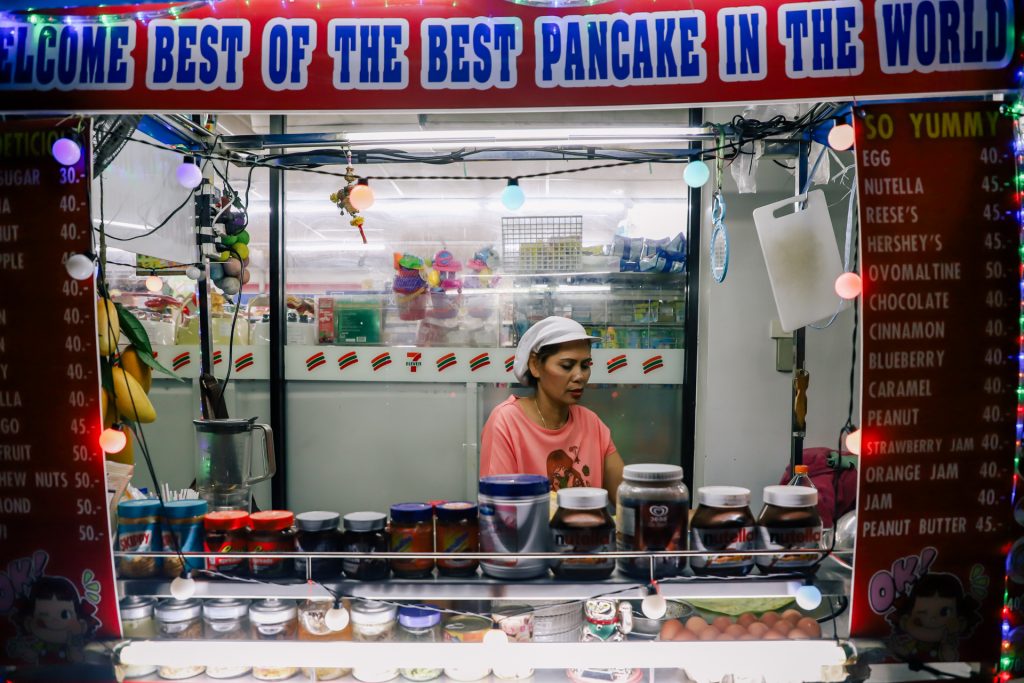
(139, 338)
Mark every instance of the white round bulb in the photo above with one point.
(853, 442)
(194, 273)
(495, 637)
(654, 606)
(154, 283)
(80, 266)
(336, 618)
(189, 175)
(696, 173)
(808, 597)
(841, 137)
(183, 588)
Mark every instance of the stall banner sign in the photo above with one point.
(268, 55)
(940, 266)
(56, 569)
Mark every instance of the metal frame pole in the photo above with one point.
(799, 428)
(278, 327)
(693, 253)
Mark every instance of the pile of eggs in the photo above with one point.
(790, 625)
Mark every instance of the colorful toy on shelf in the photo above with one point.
(410, 287)
(481, 267)
(445, 296)
(650, 256)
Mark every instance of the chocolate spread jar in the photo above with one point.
(788, 522)
(582, 525)
(652, 515)
(722, 522)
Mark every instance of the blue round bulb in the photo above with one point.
(696, 173)
(808, 597)
(512, 197)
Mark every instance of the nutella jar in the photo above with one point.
(652, 515)
(582, 525)
(788, 522)
(722, 522)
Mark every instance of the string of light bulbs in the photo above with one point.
(173, 11)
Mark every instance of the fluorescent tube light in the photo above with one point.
(306, 247)
(527, 137)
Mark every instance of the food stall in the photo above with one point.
(345, 239)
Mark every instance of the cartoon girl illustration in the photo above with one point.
(929, 623)
(54, 622)
(562, 471)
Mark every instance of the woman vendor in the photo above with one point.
(550, 433)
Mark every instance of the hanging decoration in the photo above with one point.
(719, 234)
(347, 198)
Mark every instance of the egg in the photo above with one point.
(684, 635)
(792, 615)
(769, 618)
(710, 633)
(783, 627)
(747, 636)
(797, 634)
(735, 630)
(773, 635)
(757, 629)
(696, 624)
(670, 629)
(722, 623)
(746, 619)
(725, 636)
(809, 626)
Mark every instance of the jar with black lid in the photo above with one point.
(789, 522)
(582, 525)
(723, 522)
(317, 532)
(365, 533)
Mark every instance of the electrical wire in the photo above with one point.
(234, 320)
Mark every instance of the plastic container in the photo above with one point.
(582, 525)
(458, 531)
(138, 623)
(412, 531)
(514, 513)
(138, 530)
(226, 532)
(365, 533)
(466, 629)
(272, 532)
(419, 625)
(373, 622)
(317, 532)
(516, 622)
(789, 521)
(226, 619)
(179, 620)
(652, 514)
(313, 627)
(182, 529)
(722, 522)
(274, 619)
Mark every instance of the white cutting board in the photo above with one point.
(802, 257)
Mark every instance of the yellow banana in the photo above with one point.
(134, 366)
(132, 402)
(108, 325)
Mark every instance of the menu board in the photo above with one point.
(941, 300)
(56, 568)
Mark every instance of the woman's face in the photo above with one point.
(563, 375)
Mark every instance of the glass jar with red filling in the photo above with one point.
(272, 532)
(226, 532)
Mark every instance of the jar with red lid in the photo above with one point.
(457, 532)
(272, 532)
(226, 532)
(412, 531)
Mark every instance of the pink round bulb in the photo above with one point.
(841, 137)
(361, 197)
(849, 285)
(113, 440)
(66, 152)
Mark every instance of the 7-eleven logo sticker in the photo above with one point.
(415, 360)
(380, 361)
(217, 358)
(315, 361)
(181, 360)
(509, 363)
(446, 361)
(481, 361)
(617, 363)
(348, 360)
(653, 363)
(244, 361)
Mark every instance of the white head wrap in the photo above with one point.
(552, 330)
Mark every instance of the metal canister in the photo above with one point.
(514, 513)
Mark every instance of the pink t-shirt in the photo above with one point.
(574, 455)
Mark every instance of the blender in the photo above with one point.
(224, 475)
